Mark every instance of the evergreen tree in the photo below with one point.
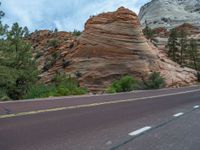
(183, 46)
(173, 44)
(17, 68)
(148, 32)
(194, 55)
(55, 30)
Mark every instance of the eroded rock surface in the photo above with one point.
(170, 13)
(113, 45)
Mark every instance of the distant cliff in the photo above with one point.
(170, 13)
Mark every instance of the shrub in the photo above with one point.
(65, 63)
(198, 76)
(39, 91)
(55, 55)
(76, 33)
(54, 43)
(3, 95)
(48, 64)
(125, 84)
(155, 81)
(78, 74)
(38, 55)
(61, 85)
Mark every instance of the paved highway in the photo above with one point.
(165, 119)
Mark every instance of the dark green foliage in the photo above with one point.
(125, 84)
(61, 85)
(55, 30)
(155, 81)
(54, 43)
(198, 76)
(173, 45)
(148, 32)
(76, 33)
(182, 50)
(66, 63)
(48, 64)
(38, 55)
(78, 74)
(17, 68)
(193, 53)
(55, 55)
(183, 47)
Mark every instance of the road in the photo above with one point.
(165, 119)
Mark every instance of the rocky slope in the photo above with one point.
(111, 46)
(170, 13)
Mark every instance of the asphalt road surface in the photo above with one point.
(167, 119)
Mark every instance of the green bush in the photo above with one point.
(61, 85)
(53, 43)
(155, 81)
(3, 95)
(198, 76)
(76, 33)
(38, 55)
(125, 84)
(55, 55)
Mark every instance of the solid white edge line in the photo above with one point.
(197, 106)
(178, 114)
(139, 131)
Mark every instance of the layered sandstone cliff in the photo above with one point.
(113, 45)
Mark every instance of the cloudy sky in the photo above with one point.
(64, 14)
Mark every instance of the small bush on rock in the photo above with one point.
(61, 85)
(155, 81)
(198, 76)
(125, 84)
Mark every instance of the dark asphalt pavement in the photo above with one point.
(106, 126)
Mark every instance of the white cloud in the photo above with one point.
(63, 14)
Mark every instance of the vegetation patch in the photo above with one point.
(61, 85)
(125, 84)
(155, 81)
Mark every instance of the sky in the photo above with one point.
(66, 15)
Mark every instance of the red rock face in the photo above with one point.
(113, 45)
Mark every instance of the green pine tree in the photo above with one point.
(148, 32)
(193, 53)
(173, 45)
(17, 68)
(183, 46)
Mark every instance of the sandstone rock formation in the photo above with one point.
(170, 13)
(113, 45)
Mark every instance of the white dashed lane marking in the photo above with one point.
(195, 107)
(179, 114)
(140, 131)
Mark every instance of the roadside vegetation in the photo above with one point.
(125, 84)
(18, 69)
(61, 85)
(129, 83)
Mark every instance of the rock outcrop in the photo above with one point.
(170, 13)
(113, 45)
